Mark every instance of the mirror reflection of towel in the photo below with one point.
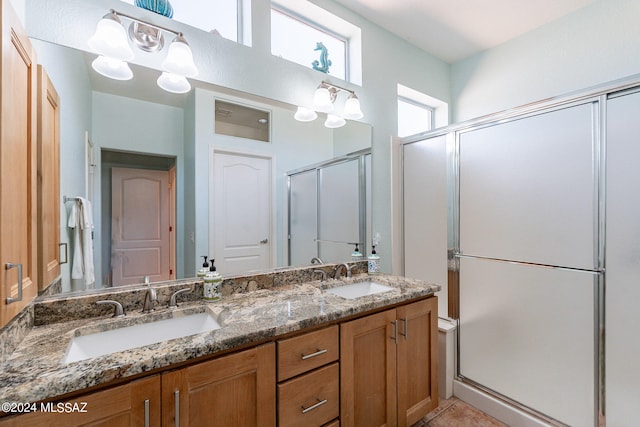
(81, 220)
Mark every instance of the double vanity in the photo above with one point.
(279, 348)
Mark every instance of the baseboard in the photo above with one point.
(494, 407)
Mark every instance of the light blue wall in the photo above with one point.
(595, 44)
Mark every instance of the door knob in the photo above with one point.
(265, 241)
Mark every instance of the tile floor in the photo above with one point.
(454, 412)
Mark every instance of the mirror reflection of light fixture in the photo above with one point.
(304, 114)
(334, 121)
(113, 68)
(323, 102)
(110, 42)
(173, 83)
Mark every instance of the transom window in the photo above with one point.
(297, 39)
(413, 117)
(419, 112)
(297, 28)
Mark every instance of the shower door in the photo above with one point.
(530, 269)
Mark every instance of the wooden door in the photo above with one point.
(135, 404)
(48, 180)
(238, 390)
(140, 226)
(417, 360)
(368, 371)
(18, 166)
(242, 213)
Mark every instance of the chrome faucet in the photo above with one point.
(118, 311)
(347, 269)
(316, 260)
(323, 274)
(150, 298)
(172, 301)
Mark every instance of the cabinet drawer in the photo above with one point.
(311, 399)
(303, 353)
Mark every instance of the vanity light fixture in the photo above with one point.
(110, 42)
(323, 102)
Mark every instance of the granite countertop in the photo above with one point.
(35, 371)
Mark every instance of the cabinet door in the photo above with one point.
(48, 180)
(135, 404)
(368, 371)
(238, 390)
(18, 164)
(417, 360)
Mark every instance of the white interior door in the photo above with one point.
(241, 213)
(140, 226)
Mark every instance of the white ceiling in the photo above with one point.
(455, 29)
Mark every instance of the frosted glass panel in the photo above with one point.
(303, 218)
(527, 332)
(526, 189)
(339, 210)
(623, 260)
(425, 213)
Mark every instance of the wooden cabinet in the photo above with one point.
(135, 404)
(309, 391)
(388, 361)
(48, 180)
(233, 391)
(417, 360)
(311, 399)
(18, 166)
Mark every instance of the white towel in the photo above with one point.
(81, 220)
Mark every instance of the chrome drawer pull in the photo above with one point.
(176, 408)
(312, 407)
(309, 356)
(146, 413)
(11, 265)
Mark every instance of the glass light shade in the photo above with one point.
(173, 83)
(322, 100)
(352, 109)
(304, 114)
(179, 60)
(112, 68)
(334, 121)
(110, 39)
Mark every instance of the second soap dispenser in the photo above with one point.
(212, 282)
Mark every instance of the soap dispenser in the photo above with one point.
(212, 282)
(205, 268)
(356, 255)
(373, 262)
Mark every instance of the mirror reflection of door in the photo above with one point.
(141, 225)
(242, 213)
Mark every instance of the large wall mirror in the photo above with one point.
(118, 132)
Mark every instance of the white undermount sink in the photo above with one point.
(361, 289)
(100, 343)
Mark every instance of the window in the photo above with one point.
(224, 16)
(413, 117)
(302, 48)
(298, 26)
(419, 112)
